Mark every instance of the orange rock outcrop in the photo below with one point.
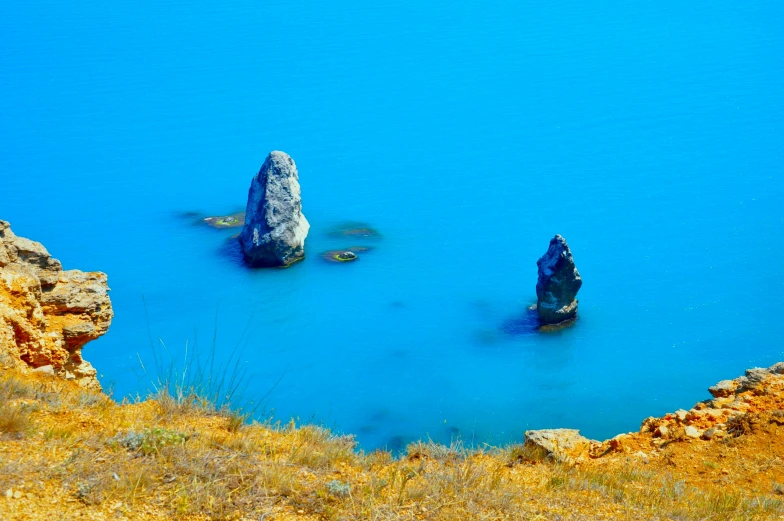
(48, 314)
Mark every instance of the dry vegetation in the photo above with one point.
(70, 454)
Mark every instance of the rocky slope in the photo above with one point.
(68, 453)
(48, 314)
(734, 410)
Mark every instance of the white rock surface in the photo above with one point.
(275, 228)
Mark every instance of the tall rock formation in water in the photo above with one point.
(558, 283)
(275, 229)
(46, 314)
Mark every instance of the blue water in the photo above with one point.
(468, 133)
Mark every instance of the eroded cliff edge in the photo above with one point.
(48, 314)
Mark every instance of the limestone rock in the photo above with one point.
(560, 444)
(723, 389)
(649, 424)
(558, 283)
(28, 256)
(777, 368)
(47, 315)
(713, 432)
(752, 379)
(662, 431)
(44, 369)
(275, 228)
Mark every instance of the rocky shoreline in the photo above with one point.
(71, 453)
(725, 415)
(67, 451)
(47, 315)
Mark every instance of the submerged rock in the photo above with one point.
(344, 255)
(275, 228)
(558, 284)
(234, 220)
(354, 229)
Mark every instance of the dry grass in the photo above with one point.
(179, 457)
(15, 408)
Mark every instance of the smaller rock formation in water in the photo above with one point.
(46, 314)
(275, 228)
(234, 220)
(345, 254)
(558, 284)
(354, 229)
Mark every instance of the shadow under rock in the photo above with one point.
(526, 323)
(231, 251)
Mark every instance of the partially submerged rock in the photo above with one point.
(46, 314)
(344, 255)
(234, 220)
(563, 445)
(275, 228)
(558, 284)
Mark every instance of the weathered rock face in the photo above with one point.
(558, 283)
(46, 314)
(735, 403)
(275, 229)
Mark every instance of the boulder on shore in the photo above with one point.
(275, 228)
(558, 284)
(564, 445)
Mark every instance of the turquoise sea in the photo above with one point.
(650, 135)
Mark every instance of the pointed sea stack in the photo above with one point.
(558, 284)
(275, 229)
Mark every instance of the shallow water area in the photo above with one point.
(467, 135)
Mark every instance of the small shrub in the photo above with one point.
(89, 399)
(338, 488)
(234, 421)
(558, 481)
(740, 424)
(437, 451)
(14, 420)
(88, 493)
(13, 387)
(149, 441)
